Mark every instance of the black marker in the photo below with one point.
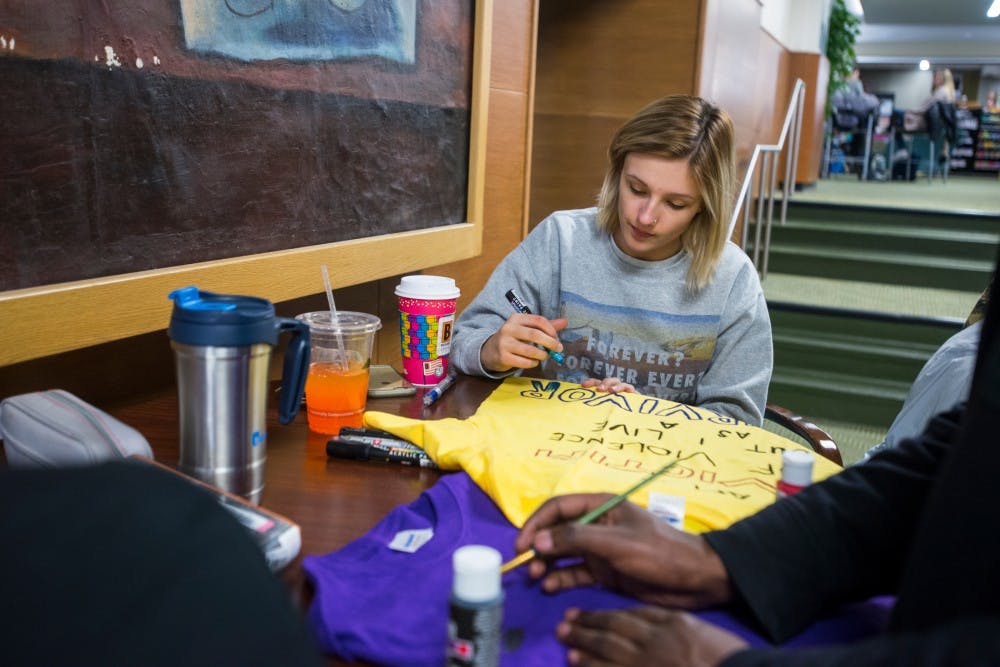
(345, 449)
(364, 436)
(519, 306)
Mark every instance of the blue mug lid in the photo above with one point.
(222, 320)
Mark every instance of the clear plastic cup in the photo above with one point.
(337, 384)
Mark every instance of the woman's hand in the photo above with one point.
(645, 636)
(627, 549)
(515, 344)
(610, 385)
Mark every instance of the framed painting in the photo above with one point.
(236, 145)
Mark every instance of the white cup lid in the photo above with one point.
(427, 287)
(477, 573)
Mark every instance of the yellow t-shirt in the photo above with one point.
(534, 439)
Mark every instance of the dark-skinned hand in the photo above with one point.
(644, 637)
(627, 549)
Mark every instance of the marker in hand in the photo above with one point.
(519, 306)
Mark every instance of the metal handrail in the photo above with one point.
(767, 155)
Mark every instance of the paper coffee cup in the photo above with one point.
(426, 323)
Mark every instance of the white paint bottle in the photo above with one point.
(475, 622)
(796, 471)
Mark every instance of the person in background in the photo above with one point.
(854, 97)
(852, 106)
(644, 292)
(915, 522)
(942, 90)
(943, 381)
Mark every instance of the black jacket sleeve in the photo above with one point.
(973, 642)
(843, 539)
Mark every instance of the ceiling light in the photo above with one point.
(854, 7)
(925, 64)
(994, 10)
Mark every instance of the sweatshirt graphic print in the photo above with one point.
(661, 354)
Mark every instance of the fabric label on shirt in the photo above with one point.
(667, 507)
(411, 540)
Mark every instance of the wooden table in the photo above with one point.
(334, 501)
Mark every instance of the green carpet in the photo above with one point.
(960, 193)
(900, 299)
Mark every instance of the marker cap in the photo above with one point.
(477, 573)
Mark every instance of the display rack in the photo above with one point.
(987, 154)
(964, 149)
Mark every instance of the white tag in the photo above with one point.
(667, 507)
(411, 540)
(446, 324)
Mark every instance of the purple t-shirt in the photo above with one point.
(390, 607)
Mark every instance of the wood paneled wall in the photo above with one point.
(745, 71)
(114, 372)
(600, 62)
(814, 70)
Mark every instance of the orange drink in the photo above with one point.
(335, 397)
(340, 351)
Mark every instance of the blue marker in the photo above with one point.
(438, 389)
(519, 306)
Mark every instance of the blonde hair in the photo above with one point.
(947, 83)
(681, 127)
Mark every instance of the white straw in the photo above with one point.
(334, 320)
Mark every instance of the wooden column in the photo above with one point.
(814, 70)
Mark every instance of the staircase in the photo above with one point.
(840, 364)
(849, 366)
(944, 250)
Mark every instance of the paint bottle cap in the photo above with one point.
(797, 467)
(477, 573)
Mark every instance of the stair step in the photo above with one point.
(899, 363)
(880, 266)
(977, 245)
(877, 216)
(849, 324)
(838, 396)
(886, 256)
(814, 296)
(859, 345)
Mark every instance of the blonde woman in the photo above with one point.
(643, 292)
(942, 90)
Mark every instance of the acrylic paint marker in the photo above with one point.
(343, 449)
(519, 306)
(361, 436)
(438, 389)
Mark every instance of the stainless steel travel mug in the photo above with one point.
(222, 347)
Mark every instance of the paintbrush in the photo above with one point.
(589, 517)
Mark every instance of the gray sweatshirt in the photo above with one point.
(632, 319)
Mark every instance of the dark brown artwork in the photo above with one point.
(141, 134)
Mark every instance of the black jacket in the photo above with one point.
(918, 521)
